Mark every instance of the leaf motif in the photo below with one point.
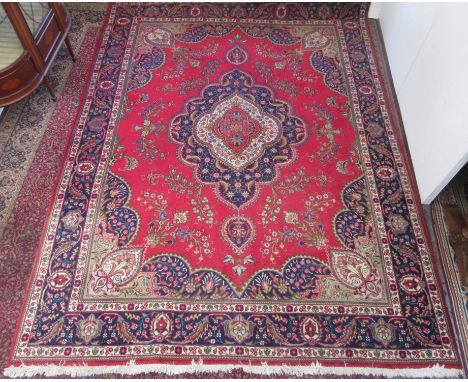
(223, 185)
(371, 109)
(175, 9)
(348, 334)
(341, 166)
(416, 334)
(197, 333)
(122, 328)
(302, 10)
(407, 251)
(76, 194)
(393, 198)
(275, 334)
(260, 9)
(64, 247)
(382, 150)
(55, 330)
(249, 259)
(131, 163)
(229, 259)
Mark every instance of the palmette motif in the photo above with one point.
(243, 244)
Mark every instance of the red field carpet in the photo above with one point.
(235, 195)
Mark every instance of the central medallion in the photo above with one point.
(235, 135)
(236, 128)
(237, 132)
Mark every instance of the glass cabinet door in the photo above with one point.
(10, 45)
(34, 13)
(31, 35)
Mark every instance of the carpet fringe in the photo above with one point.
(316, 369)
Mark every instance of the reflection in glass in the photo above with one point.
(10, 45)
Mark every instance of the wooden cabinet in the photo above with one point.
(30, 36)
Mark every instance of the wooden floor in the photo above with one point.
(456, 220)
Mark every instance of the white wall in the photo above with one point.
(427, 48)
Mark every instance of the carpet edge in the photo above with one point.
(314, 369)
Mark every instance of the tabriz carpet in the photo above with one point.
(235, 194)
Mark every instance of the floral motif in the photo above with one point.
(157, 35)
(59, 279)
(311, 330)
(384, 332)
(411, 284)
(351, 223)
(180, 217)
(239, 329)
(72, 220)
(304, 231)
(185, 58)
(114, 270)
(142, 67)
(239, 232)
(291, 217)
(324, 129)
(274, 34)
(237, 55)
(272, 208)
(398, 223)
(162, 230)
(289, 87)
(317, 39)
(170, 276)
(299, 280)
(181, 185)
(120, 220)
(89, 328)
(161, 327)
(386, 173)
(290, 185)
(150, 130)
(355, 272)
